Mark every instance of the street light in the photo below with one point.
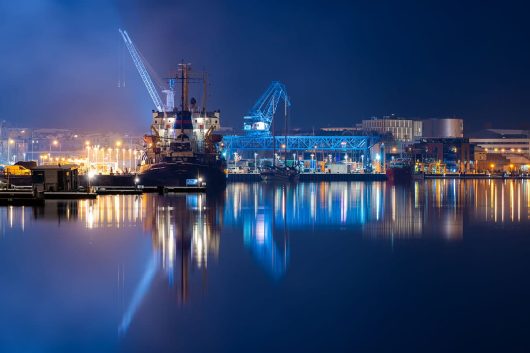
(91, 173)
(235, 159)
(9, 142)
(255, 161)
(53, 143)
(362, 161)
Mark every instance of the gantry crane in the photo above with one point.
(259, 119)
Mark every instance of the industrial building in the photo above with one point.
(504, 142)
(500, 149)
(449, 154)
(403, 129)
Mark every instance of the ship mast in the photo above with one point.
(285, 136)
(184, 92)
(273, 144)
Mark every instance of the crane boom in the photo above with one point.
(143, 71)
(259, 118)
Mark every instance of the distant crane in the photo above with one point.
(146, 78)
(259, 119)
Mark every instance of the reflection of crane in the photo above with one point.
(259, 119)
(146, 78)
(259, 238)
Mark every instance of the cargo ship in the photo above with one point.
(183, 147)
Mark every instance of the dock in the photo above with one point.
(138, 190)
(311, 177)
(183, 189)
(69, 195)
(17, 197)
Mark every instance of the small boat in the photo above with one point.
(280, 174)
(400, 170)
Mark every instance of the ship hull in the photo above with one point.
(176, 174)
(399, 174)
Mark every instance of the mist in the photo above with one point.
(64, 63)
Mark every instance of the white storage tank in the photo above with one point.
(443, 128)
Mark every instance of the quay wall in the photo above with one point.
(251, 177)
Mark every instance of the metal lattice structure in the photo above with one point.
(299, 143)
(259, 119)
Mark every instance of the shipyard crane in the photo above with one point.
(259, 119)
(146, 78)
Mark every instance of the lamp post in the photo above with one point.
(255, 162)
(235, 160)
(118, 145)
(9, 143)
(362, 162)
(312, 161)
(135, 153)
(53, 143)
(90, 175)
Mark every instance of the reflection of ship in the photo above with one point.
(185, 235)
(182, 145)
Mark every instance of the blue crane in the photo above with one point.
(259, 119)
(146, 78)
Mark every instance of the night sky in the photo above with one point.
(342, 61)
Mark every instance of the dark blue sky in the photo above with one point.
(341, 60)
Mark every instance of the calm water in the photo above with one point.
(435, 266)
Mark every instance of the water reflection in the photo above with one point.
(265, 213)
(185, 230)
(435, 208)
(185, 235)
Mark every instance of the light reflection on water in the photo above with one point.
(186, 231)
(434, 208)
(193, 222)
